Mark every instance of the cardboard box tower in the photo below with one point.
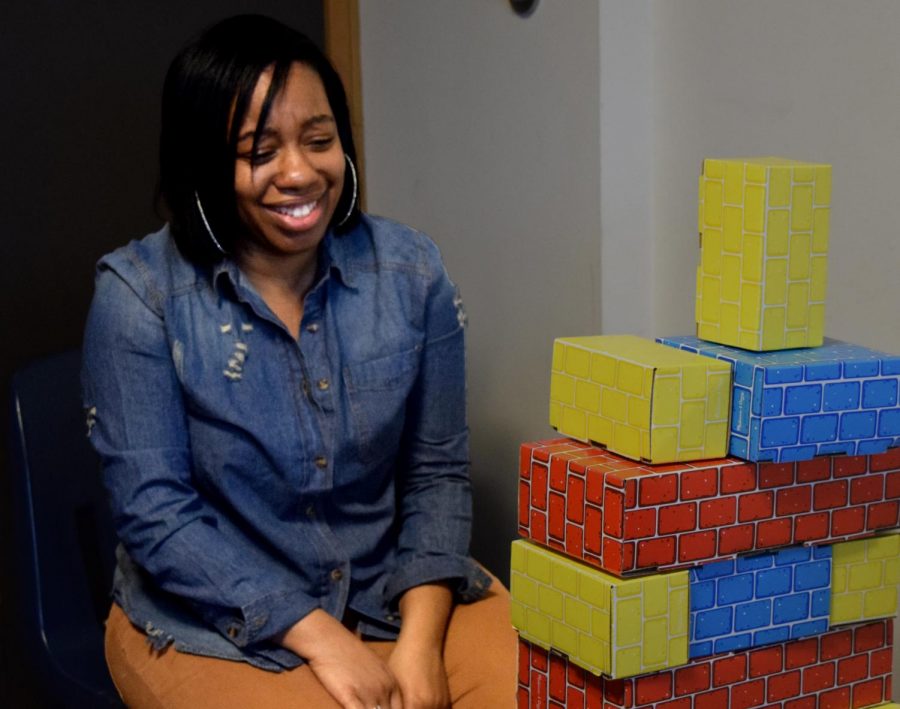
(720, 527)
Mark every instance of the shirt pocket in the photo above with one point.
(378, 390)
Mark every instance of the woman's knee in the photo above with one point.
(481, 651)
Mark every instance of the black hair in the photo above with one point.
(206, 95)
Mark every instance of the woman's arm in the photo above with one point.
(417, 660)
(166, 525)
(433, 563)
(434, 492)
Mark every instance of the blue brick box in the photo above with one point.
(795, 404)
(759, 599)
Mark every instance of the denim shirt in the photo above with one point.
(254, 477)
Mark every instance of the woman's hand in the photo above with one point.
(417, 660)
(354, 675)
(421, 676)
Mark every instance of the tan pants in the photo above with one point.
(479, 654)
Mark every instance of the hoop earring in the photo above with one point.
(355, 191)
(206, 224)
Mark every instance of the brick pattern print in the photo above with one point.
(632, 396)
(838, 399)
(660, 569)
(763, 253)
(625, 517)
(605, 624)
(866, 579)
(840, 669)
(759, 599)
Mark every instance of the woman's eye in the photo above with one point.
(261, 157)
(322, 143)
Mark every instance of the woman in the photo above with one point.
(275, 383)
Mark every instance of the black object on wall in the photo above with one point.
(524, 8)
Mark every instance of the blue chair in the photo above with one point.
(64, 540)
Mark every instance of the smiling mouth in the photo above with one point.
(297, 211)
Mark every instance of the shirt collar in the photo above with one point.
(334, 257)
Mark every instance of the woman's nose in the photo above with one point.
(294, 169)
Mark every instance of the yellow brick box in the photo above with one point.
(640, 399)
(604, 624)
(865, 579)
(763, 252)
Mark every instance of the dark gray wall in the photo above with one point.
(80, 86)
(81, 82)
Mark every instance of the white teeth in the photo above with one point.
(297, 212)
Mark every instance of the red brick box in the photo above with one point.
(625, 516)
(844, 669)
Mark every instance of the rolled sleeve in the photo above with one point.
(435, 501)
(263, 617)
(466, 579)
(167, 527)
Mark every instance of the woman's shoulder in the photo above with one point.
(382, 242)
(152, 266)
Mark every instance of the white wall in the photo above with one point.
(808, 79)
(481, 129)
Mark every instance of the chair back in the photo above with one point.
(64, 540)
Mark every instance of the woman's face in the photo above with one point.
(287, 189)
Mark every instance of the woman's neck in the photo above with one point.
(282, 281)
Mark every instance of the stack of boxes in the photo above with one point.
(720, 527)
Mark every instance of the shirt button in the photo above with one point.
(337, 575)
(233, 631)
(311, 511)
(322, 462)
(323, 384)
(312, 327)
